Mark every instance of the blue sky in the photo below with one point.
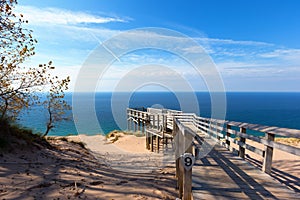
(254, 44)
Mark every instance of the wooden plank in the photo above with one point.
(187, 174)
(286, 148)
(155, 132)
(214, 127)
(143, 127)
(283, 147)
(158, 122)
(157, 144)
(268, 129)
(246, 146)
(176, 135)
(209, 131)
(228, 135)
(187, 184)
(217, 127)
(151, 142)
(221, 175)
(180, 180)
(135, 126)
(267, 164)
(147, 141)
(242, 140)
(128, 122)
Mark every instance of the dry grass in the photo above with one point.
(114, 135)
(289, 141)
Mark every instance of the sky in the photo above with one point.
(253, 45)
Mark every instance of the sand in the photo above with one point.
(127, 154)
(103, 171)
(285, 166)
(123, 169)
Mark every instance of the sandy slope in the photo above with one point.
(127, 154)
(68, 171)
(105, 170)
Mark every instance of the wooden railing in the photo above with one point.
(230, 134)
(187, 144)
(227, 132)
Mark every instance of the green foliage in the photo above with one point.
(19, 83)
(55, 105)
(13, 136)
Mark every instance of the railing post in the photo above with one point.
(131, 120)
(187, 174)
(267, 164)
(153, 121)
(151, 142)
(228, 136)
(135, 125)
(166, 121)
(138, 122)
(147, 141)
(216, 124)
(157, 121)
(157, 144)
(128, 120)
(175, 132)
(196, 152)
(143, 127)
(142, 123)
(180, 167)
(242, 139)
(163, 122)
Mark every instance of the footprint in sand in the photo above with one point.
(121, 182)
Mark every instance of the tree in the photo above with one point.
(19, 84)
(55, 104)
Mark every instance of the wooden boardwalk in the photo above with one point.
(217, 172)
(221, 175)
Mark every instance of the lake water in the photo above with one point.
(272, 109)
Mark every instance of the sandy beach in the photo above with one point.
(102, 171)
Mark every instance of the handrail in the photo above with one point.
(287, 132)
(224, 131)
(227, 131)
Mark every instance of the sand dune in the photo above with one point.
(67, 171)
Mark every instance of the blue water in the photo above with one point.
(272, 109)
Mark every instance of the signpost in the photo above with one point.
(188, 160)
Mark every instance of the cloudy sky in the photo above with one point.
(254, 45)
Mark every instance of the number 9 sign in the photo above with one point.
(187, 160)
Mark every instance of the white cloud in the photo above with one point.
(291, 55)
(64, 40)
(232, 42)
(258, 68)
(56, 16)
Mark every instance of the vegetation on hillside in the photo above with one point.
(13, 137)
(20, 84)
